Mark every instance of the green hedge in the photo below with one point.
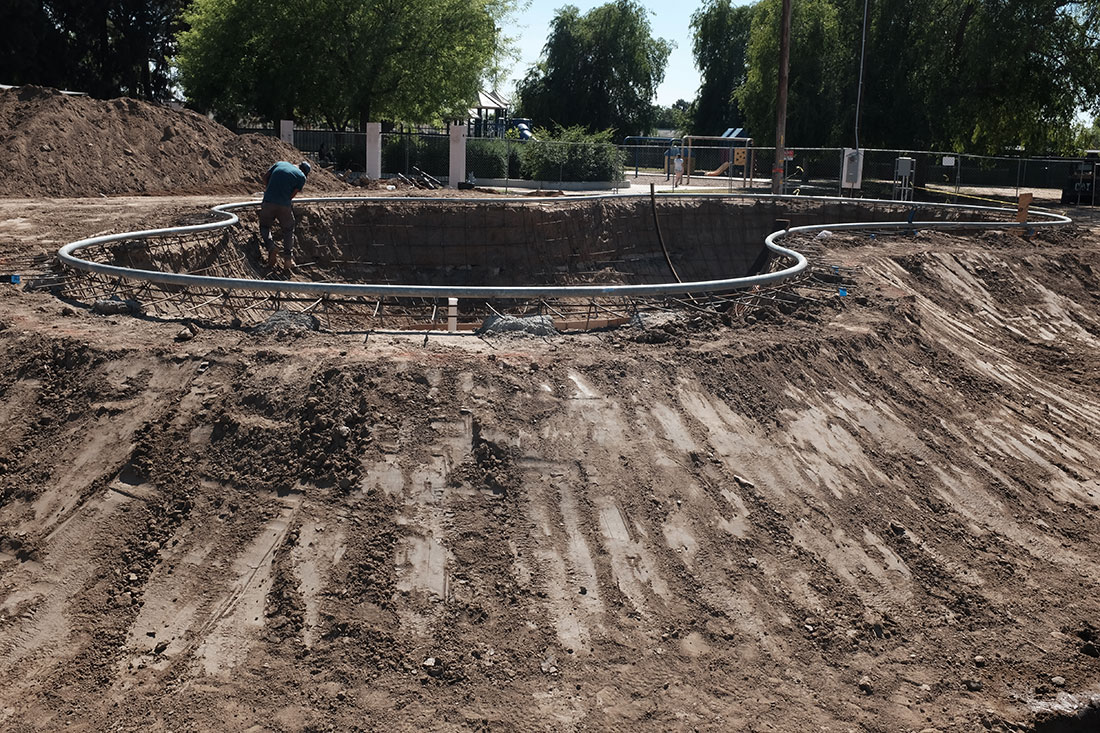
(571, 154)
(494, 158)
(561, 154)
(486, 158)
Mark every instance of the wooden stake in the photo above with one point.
(1022, 205)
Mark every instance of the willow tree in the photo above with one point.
(1011, 74)
(720, 39)
(967, 75)
(813, 101)
(599, 70)
(340, 60)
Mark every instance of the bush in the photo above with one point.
(486, 158)
(515, 160)
(571, 154)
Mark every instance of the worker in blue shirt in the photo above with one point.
(283, 181)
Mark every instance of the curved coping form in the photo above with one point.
(67, 253)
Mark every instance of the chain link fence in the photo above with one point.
(544, 163)
(932, 176)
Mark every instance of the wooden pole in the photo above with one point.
(781, 98)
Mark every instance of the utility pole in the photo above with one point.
(862, 55)
(781, 98)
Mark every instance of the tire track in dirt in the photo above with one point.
(796, 523)
(77, 532)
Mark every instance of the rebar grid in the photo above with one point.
(156, 281)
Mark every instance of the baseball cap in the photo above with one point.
(305, 166)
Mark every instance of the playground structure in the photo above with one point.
(490, 119)
(646, 151)
(735, 151)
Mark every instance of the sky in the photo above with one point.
(668, 20)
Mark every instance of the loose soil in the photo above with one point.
(870, 512)
(61, 146)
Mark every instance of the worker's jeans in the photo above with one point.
(269, 213)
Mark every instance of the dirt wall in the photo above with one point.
(508, 243)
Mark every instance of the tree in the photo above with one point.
(719, 44)
(32, 47)
(896, 83)
(977, 76)
(108, 49)
(600, 70)
(676, 117)
(340, 60)
(1022, 92)
(982, 76)
(813, 97)
(1086, 137)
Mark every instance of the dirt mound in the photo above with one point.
(874, 511)
(60, 145)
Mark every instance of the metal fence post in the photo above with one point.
(840, 177)
(958, 179)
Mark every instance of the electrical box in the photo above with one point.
(904, 169)
(852, 175)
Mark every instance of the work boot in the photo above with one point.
(272, 259)
(288, 263)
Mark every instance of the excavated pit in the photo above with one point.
(491, 243)
(486, 243)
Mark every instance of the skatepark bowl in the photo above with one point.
(451, 263)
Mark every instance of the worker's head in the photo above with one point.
(305, 167)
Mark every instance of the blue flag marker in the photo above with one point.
(842, 291)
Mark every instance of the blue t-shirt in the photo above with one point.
(283, 180)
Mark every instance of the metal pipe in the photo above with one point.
(67, 256)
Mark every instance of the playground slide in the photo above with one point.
(719, 170)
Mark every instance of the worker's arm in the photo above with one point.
(295, 192)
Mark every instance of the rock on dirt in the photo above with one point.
(532, 325)
(287, 322)
(113, 307)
